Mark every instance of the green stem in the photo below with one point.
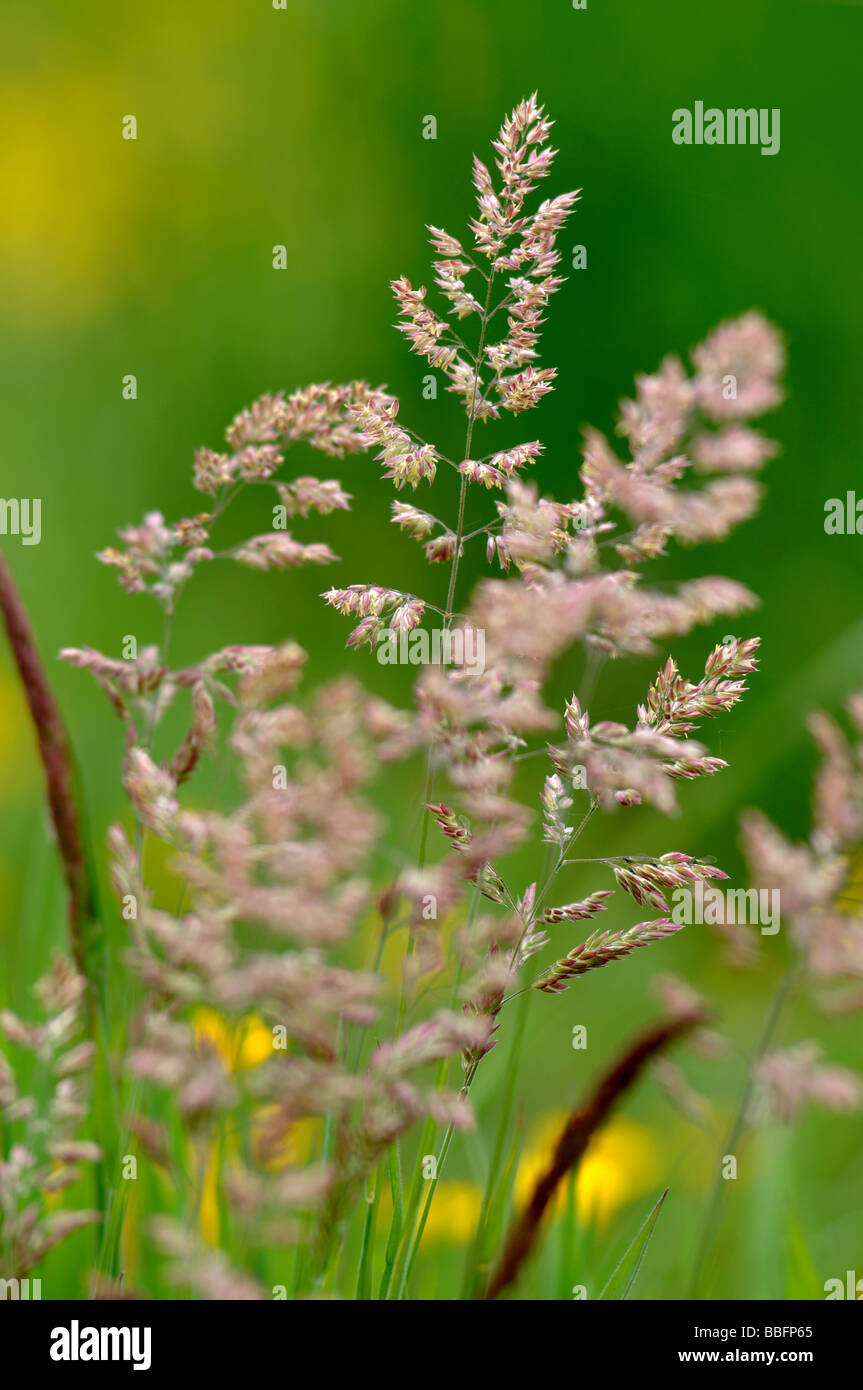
(397, 1223)
(780, 998)
(462, 496)
(475, 1256)
(412, 1249)
(561, 858)
(365, 1269)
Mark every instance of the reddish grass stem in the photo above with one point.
(57, 762)
(579, 1130)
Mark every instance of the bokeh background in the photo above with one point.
(304, 127)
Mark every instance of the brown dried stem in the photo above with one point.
(57, 761)
(576, 1136)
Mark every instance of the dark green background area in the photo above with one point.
(304, 127)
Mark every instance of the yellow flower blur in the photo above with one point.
(275, 1144)
(454, 1213)
(240, 1045)
(620, 1164)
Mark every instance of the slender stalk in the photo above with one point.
(416, 1239)
(365, 1269)
(459, 538)
(61, 785)
(572, 1143)
(416, 1236)
(397, 1222)
(561, 858)
(462, 497)
(474, 1259)
(427, 1138)
(778, 1002)
(66, 808)
(412, 1233)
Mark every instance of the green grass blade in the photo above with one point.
(365, 1271)
(397, 1218)
(624, 1276)
(801, 1276)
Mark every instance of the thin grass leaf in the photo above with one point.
(365, 1269)
(801, 1276)
(416, 1238)
(525, 1231)
(567, 1241)
(397, 1223)
(624, 1275)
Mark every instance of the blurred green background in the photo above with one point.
(304, 127)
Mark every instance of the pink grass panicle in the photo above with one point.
(281, 897)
